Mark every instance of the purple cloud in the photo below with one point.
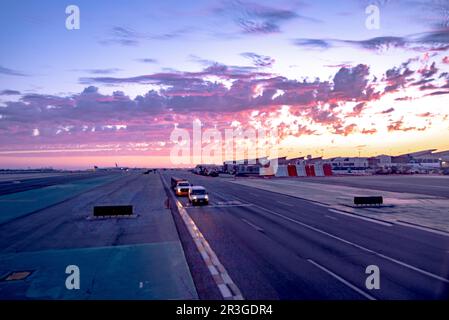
(8, 92)
(259, 60)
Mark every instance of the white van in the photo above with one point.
(198, 195)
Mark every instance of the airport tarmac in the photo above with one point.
(271, 245)
(138, 257)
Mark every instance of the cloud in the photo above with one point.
(313, 43)
(183, 78)
(126, 36)
(397, 78)
(437, 93)
(390, 110)
(147, 60)
(217, 93)
(259, 60)
(254, 18)
(425, 115)
(399, 126)
(123, 36)
(345, 130)
(352, 83)
(434, 40)
(369, 131)
(100, 71)
(11, 72)
(9, 93)
(378, 43)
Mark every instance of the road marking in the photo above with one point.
(225, 292)
(361, 218)
(319, 204)
(227, 287)
(285, 203)
(363, 293)
(210, 258)
(219, 206)
(411, 225)
(429, 274)
(253, 225)
(330, 217)
(254, 194)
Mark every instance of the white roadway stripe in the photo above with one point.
(409, 225)
(253, 225)
(361, 218)
(320, 204)
(254, 194)
(330, 217)
(429, 274)
(209, 256)
(285, 203)
(361, 292)
(225, 292)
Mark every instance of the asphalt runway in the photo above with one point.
(24, 184)
(280, 247)
(273, 246)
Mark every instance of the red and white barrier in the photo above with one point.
(298, 170)
(291, 168)
(282, 171)
(327, 168)
(310, 170)
(301, 170)
(319, 171)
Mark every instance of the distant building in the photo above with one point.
(349, 165)
(245, 166)
(424, 161)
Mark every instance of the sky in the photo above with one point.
(333, 78)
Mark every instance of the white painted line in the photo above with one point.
(220, 206)
(330, 217)
(429, 274)
(226, 279)
(216, 268)
(319, 204)
(361, 218)
(225, 292)
(409, 225)
(361, 292)
(253, 225)
(285, 203)
(213, 271)
(254, 194)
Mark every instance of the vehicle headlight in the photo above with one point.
(206, 197)
(194, 197)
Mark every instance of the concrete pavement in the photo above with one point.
(418, 209)
(119, 258)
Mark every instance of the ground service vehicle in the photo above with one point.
(198, 195)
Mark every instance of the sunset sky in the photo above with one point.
(114, 90)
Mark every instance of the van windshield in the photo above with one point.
(183, 184)
(198, 192)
